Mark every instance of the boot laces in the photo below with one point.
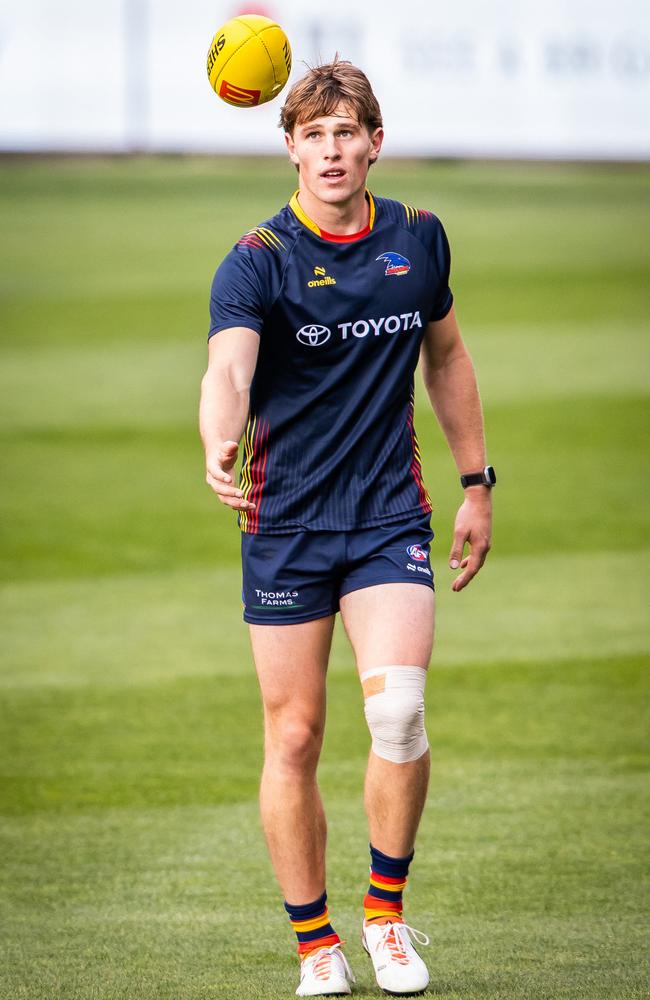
(322, 962)
(396, 937)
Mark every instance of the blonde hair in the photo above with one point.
(325, 88)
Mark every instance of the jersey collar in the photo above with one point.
(296, 208)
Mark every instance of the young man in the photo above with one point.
(318, 318)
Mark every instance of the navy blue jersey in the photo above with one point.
(330, 442)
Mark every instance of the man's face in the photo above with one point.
(333, 155)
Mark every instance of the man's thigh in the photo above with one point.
(390, 624)
(291, 664)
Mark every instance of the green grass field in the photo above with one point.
(133, 864)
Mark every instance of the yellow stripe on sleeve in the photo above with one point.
(269, 234)
(264, 238)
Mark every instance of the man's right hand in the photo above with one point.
(218, 466)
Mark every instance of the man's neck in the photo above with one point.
(341, 219)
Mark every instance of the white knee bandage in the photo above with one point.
(394, 707)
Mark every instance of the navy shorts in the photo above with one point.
(300, 577)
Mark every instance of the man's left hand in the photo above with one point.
(473, 527)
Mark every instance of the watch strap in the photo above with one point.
(486, 477)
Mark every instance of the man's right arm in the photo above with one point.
(223, 411)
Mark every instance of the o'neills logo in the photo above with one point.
(322, 278)
(323, 281)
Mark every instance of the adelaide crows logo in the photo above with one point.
(395, 263)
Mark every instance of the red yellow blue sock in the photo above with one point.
(388, 877)
(311, 922)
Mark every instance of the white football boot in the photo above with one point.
(398, 967)
(326, 972)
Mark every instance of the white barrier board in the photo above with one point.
(566, 78)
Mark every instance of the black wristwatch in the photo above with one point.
(486, 477)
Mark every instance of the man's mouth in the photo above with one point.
(333, 173)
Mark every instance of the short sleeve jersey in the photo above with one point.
(330, 442)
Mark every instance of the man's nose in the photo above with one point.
(331, 148)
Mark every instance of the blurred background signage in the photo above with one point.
(566, 79)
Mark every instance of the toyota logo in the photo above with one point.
(313, 335)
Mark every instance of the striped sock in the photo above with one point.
(311, 922)
(387, 881)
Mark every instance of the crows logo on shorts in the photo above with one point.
(416, 553)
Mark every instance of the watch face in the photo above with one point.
(490, 475)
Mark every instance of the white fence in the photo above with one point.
(562, 78)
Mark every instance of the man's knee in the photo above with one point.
(394, 708)
(294, 743)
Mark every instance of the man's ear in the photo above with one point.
(291, 146)
(376, 140)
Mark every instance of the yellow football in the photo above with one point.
(249, 61)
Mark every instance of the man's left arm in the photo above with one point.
(450, 381)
